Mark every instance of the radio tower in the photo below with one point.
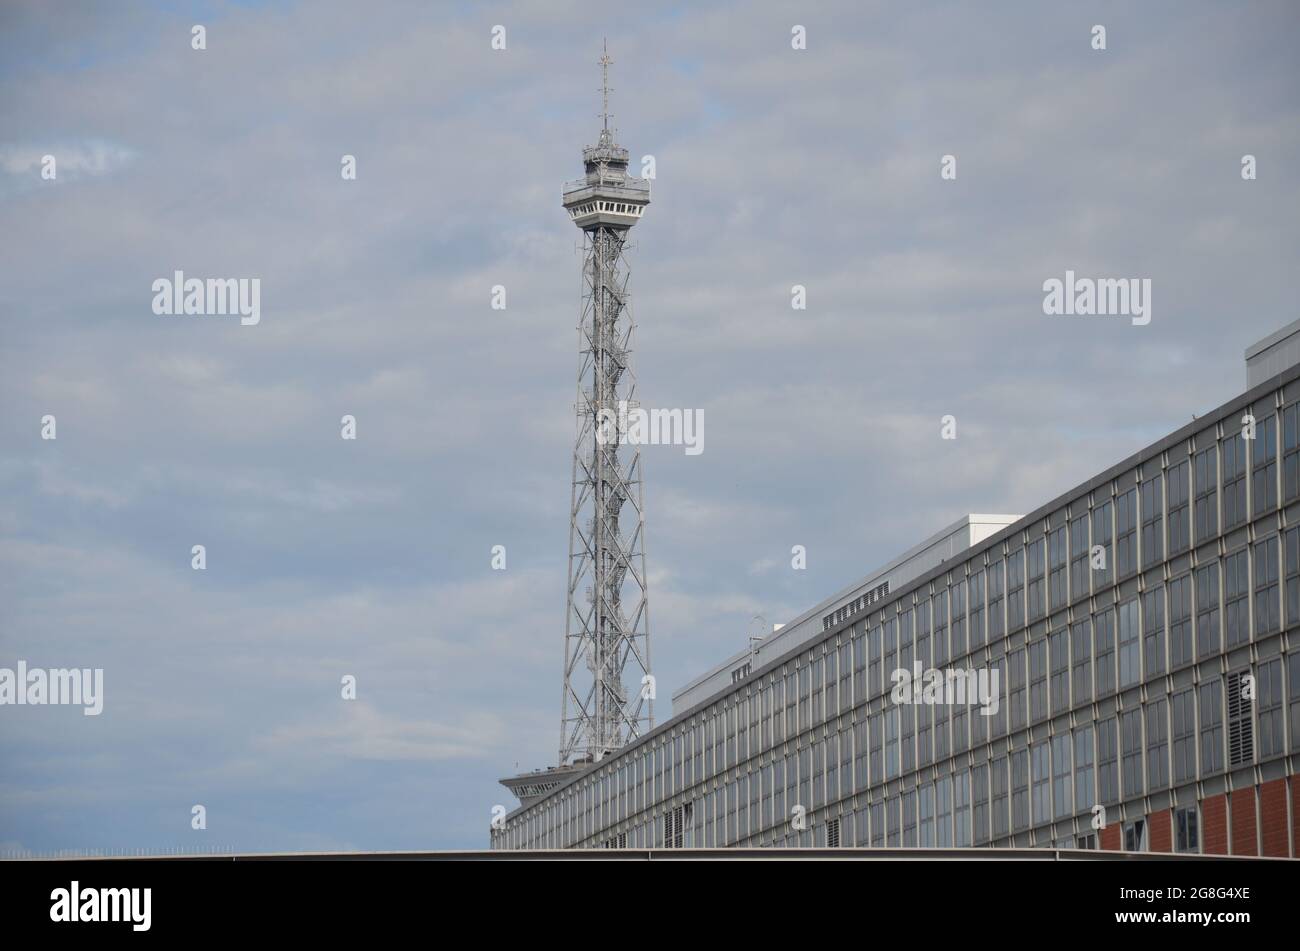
(607, 690)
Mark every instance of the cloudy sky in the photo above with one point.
(371, 557)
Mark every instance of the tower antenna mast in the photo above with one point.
(605, 62)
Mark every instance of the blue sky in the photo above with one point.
(372, 558)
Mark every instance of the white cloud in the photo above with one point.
(92, 158)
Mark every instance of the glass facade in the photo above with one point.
(1123, 621)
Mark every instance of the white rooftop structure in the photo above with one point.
(967, 531)
(1272, 355)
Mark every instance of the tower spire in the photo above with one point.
(605, 62)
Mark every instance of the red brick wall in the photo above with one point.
(1109, 837)
(1160, 836)
(1295, 813)
(1214, 825)
(1272, 818)
(1243, 822)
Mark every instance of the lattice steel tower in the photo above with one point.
(608, 700)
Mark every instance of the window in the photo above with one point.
(1292, 549)
(979, 778)
(1291, 453)
(909, 820)
(1056, 556)
(1083, 788)
(957, 628)
(1036, 570)
(878, 825)
(1269, 711)
(976, 620)
(1016, 687)
(833, 768)
(924, 751)
(1103, 538)
(1179, 529)
(846, 677)
(1241, 739)
(1236, 592)
(943, 813)
(1042, 783)
(997, 618)
(891, 646)
(1020, 790)
(1207, 500)
(1268, 606)
(1180, 622)
(1107, 762)
(1129, 654)
(1016, 590)
(873, 665)
(833, 834)
(998, 772)
(1211, 705)
(808, 779)
(892, 823)
(729, 717)
(860, 664)
(1158, 744)
(1293, 696)
(860, 827)
(1135, 836)
(1126, 562)
(792, 702)
(1061, 775)
(1187, 837)
(1080, 565)
(1130, 728)
(998, 719)
(1153, 538)
(1153, 631)
(905, 640)
(979, 722)
(1234, 481)
(923, 632)
(877, 745)
(939, 610)
(1103, 634)
(926, 838)
(1038, 680)
(959, 718)
(1184, 716)
(1081, 662)
(892, 723)
(961, 810)
(1264, 465)
(817, 714)
(1207, 610)
(1060, 656)
(908, 714)
(861, 745)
